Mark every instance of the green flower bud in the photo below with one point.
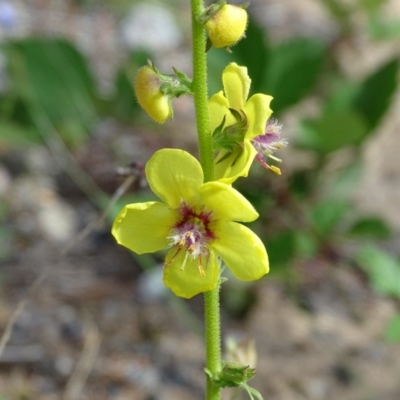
(227, 25)
(149, 95)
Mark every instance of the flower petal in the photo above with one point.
(144, 227)
(174, 175)
(257, 111)
(227, 173)
(236, 83)
(187, 281)
(219, 108)
(226, 202)
(241, 250)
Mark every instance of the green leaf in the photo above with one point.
(53, 80)
(345, 179)
(292, 71)
(281, 249)
(382, 269)
(14, 134)
(376, 93)
(334, 130)
(370, 227)
(392, 333)
(381, 29)
(326, 215)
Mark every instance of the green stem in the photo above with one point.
(199, 88)
(213, 341)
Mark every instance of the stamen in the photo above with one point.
(201, 269)
(275, 169)
(185, 261)
(275, 158)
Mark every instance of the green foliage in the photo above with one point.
(326, 215)
(52, 80)
(382, 269)
(376, 92)
(392, 333)
(281, 249)
(370, 227)
(332, 131)
(293, 68)
(287, 71)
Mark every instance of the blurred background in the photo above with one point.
(326, 320)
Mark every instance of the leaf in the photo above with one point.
(326, 215)
(376, 93)
(381, 29)
(370, 227)
(382, 269)
(334, 130)
(281, 249)
(292, 71)
(345, 179)
(392, 333)
(13, 134)
(53, 79)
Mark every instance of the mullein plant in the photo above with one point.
(198, 218)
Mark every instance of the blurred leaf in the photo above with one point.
(53, 78)
(371, 6)
(292, 71)
(326, 215)
(382, 29)
(340, 12)
(13, 134)
(392, 333)
(301, 182)
(372, 227)
(344, 180)
(281, 249)
(306, 245)
(341, 95)
(376, 93)
(383, 270)
(332, 131)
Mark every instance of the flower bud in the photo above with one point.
(149, 95)
(226, 26)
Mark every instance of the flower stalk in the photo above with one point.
(200, 90)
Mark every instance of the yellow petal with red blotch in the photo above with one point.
(183, 275)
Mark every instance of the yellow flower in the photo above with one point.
(196, 222)
(227, 26)
(254, 113)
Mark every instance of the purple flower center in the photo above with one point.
(192, 232)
